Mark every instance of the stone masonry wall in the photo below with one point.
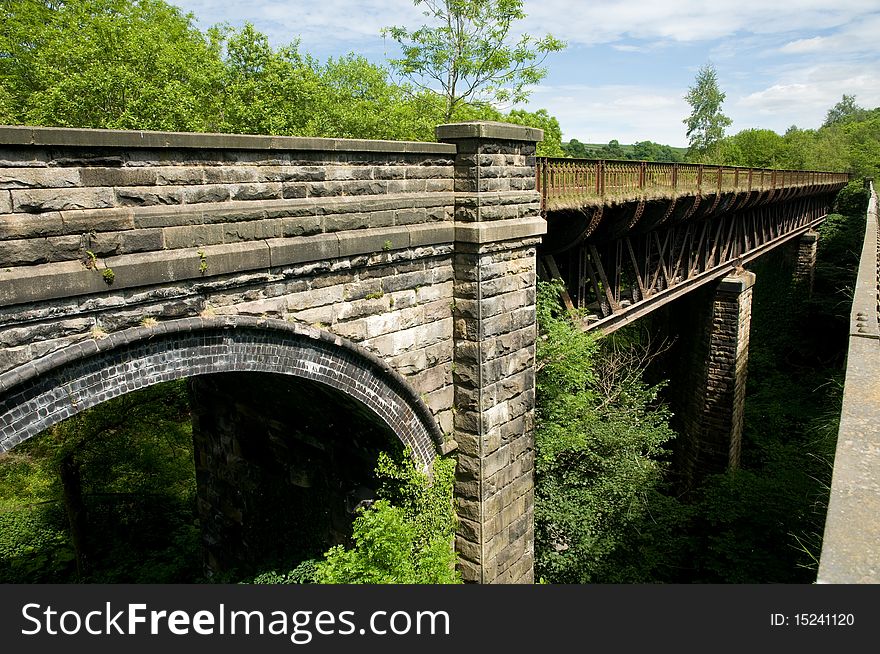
(805, 265)
(424, 254)
(354, 237)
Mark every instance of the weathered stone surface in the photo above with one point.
(11, 178)
(39, 200)
(198, 194)
(20, 226)
(146, 196)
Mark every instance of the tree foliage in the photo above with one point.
(403, 538)
(128, 516)
(848, 142)
(706, 123)
(468, 53)
(142, 64)
(107, 63)
(599, 444)
(639, 151)
(844, 111)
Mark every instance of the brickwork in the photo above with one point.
(74, 379)
(714, 394)
(497, 221)
(805, 264)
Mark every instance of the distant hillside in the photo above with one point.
(629, 148)
(641, 151)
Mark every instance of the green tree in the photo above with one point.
(468, 53)
(755, 148)
(844, 111)
(599, 440)
(406, 536)
(576, 149)
(612, 151)
(706, 123)
(265, 91)
(107, 63)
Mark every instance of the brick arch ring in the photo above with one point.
(39, 394)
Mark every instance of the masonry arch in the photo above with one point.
(44, 392)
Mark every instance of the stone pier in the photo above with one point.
(805, 265)
(497, 228)
(715, 390)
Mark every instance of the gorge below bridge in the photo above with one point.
(394, 281)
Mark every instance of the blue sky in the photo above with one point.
(629, 63)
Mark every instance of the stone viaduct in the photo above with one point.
(401, 274)
(398, 278)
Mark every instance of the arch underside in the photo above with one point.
(42, 393)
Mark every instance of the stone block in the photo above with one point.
(230, 174)
(264, 191)
(27, 226)
(17, 178)
(41, 200)
(180, 175)
(206, 193)
(147, 196)
(193, 236)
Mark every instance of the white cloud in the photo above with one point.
(597, 114)
(815, 44)
(780, 63)
(605, 21)
(806, 95)
(593, 22)
(857, 37)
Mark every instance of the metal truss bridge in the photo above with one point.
(626, 237)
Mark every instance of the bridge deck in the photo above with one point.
(574, 183)
(851, 546)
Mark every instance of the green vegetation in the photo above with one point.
(706, 123)
(105, 496)
(108, 496)
(640, 151)
(607, 508)
(850, 143)
(126, 64)
(469, 53)
(404, 537)
(599, 440)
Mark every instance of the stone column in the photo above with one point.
(497, 228)
(805, 266)
(713, 411)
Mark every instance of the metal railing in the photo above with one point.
(569, 183)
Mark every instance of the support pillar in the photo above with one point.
(497, 228)
(281, 465)
(805, 266)
(715, 398)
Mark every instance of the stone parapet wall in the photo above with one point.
(102, 231)
(852, 527)
(89, 196)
